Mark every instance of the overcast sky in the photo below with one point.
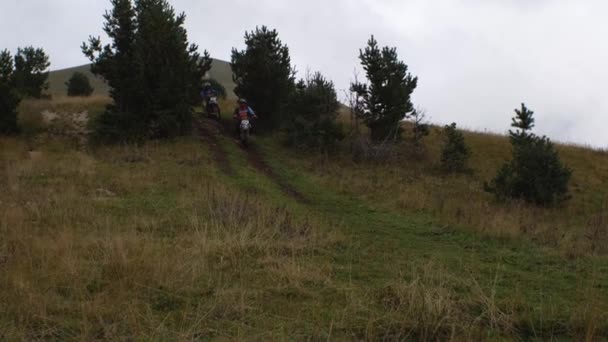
(476, 60)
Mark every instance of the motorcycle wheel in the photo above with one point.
(245, 137)
(218, 113)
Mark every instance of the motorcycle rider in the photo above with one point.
(243, 112)
(206, 94)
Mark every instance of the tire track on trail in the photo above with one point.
(256, 159)
(208, 132)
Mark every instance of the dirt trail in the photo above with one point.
(257, 161)
(208, 132)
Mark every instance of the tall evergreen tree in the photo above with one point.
(313, 110)
(173, 70)
(263, 75)
(116, 63)
(152, 70)
(386, 100)
(9, 99)
(31, 71)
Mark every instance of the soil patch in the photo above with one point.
(257, 161)
(208, 132)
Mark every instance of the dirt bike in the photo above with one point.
(245, 131)
(213, 108)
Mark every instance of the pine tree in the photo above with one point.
(79, 85)
(123, 120)
(386, 100)
(263, 75)
(523, 122)
(172, 69)
(31, 71)
(9, 99)
(154, 74)
(313, 110)
(536, 173)
(455, 152)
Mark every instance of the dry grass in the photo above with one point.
(152, 242)
(428, 307)
(66, 117)
(155, 243)
(107, 246)
(92, 104)
(414, 184)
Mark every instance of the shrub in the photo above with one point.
(536, 173)
(154, 75)
(30, 122)
(9, 99)
(264, 76)
(79, 85)
(313, 110)
(31, 72)
(420, 130)
(364, 150)
(454, 153)
(386, 100)
(218, 87)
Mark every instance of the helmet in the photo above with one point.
(242, 101)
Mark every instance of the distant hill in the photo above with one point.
(58, 79)
(220, 70)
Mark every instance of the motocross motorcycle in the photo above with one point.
(213, 108)
(245, 132)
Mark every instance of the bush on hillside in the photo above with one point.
(31, 72)
(420, 130)
(364, 150)
(536, 173)
(79, 85)
(313, 110)
(386, 100)
(264, 76)
(154, 74)
(455, 152)
(9, 99)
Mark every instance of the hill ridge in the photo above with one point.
(220, 70)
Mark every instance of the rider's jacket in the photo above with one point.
(208, 93)
(244, 114)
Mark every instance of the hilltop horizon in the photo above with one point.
(476, 61)
(221, 71)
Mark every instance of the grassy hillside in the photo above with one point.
(413, 184)
(198, 239)
(57, 79)
(221, 71)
